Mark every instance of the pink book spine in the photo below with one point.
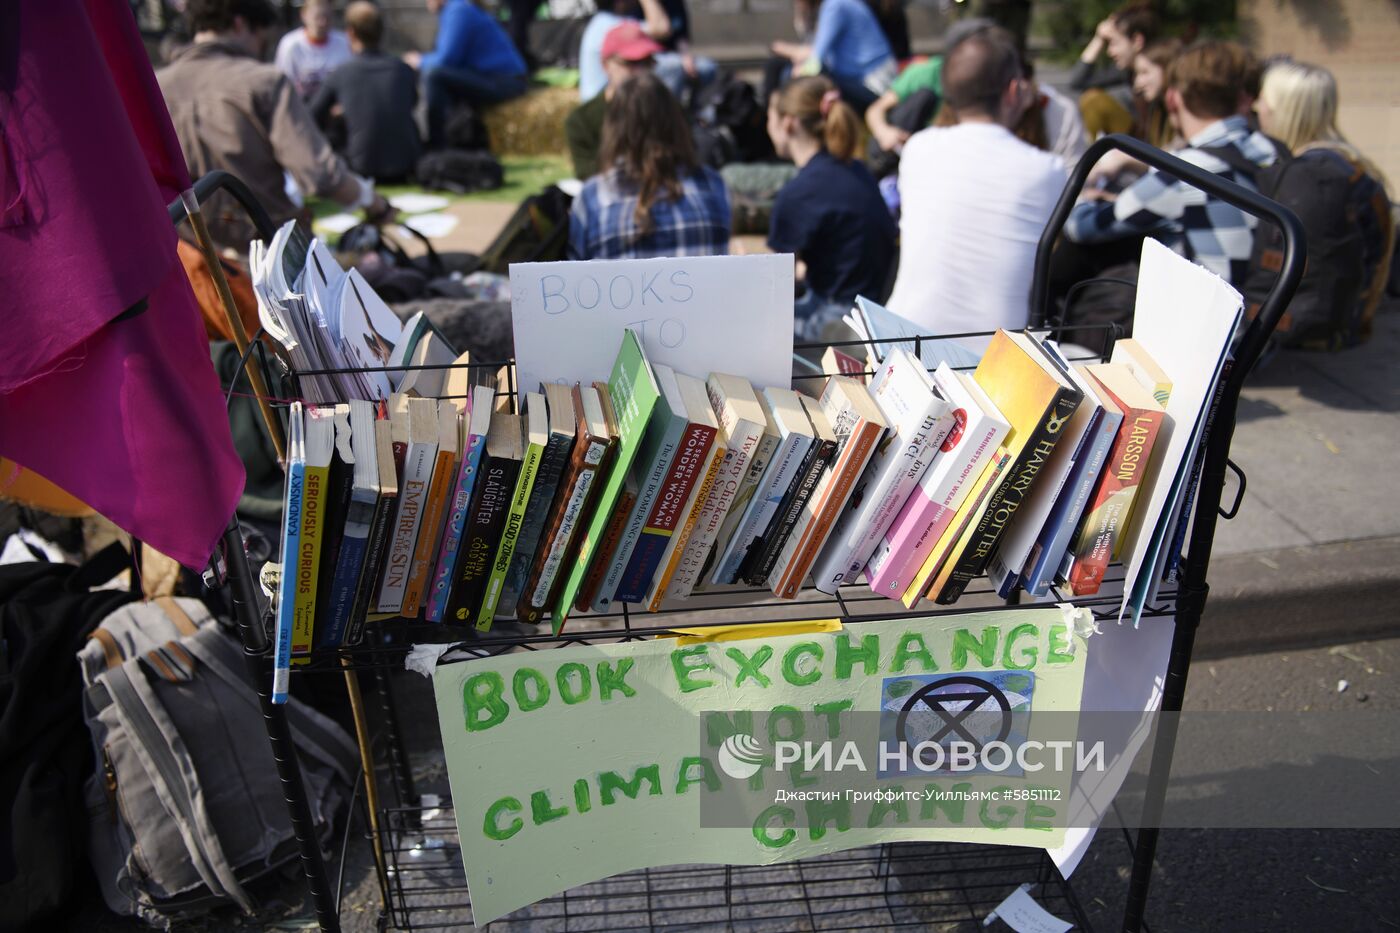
(916, 529)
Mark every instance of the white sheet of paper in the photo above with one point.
(432, 225)
(412, 202)
(698, 314)
(1023, 914)
(1185, 318)
(336, 223)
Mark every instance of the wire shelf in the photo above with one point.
(906, 886)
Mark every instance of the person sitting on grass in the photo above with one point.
(627, 50)
(375, 94)
(653, 197)
(831, 215)
(847, 46)
(473, 61)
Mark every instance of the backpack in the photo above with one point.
(730, 123)
(186, 808)
(1346, 216)
(459, 171)
(538, 231)
(46, 612)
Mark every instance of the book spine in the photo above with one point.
(763, 457)
(429, 532)
(571, 511)
(340, 483)
(490, 499)
(376, 546)
(313, 504)
(945, 548)
(551, 472)
(675, 551)
(349, 562)
(607, 544)
(1055, 540)
(928, 512)
(648, 488)
(510, 537)
(845, 473)
(413, 491)
(789, 511)
(668, 513)
(717, 503)
(1098, 541)
(286, 587)
(461, 500)
(1008, 496)
(891, 478)
(783, 471)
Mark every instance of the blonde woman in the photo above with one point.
(1297, 105)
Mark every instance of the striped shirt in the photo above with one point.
(602, 223)
(1203, 229)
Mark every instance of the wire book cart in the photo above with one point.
(904, 885)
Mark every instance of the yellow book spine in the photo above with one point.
(663, 581)
(940, 555)
(308, 558)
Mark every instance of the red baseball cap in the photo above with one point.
(629, 43)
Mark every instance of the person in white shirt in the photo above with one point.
(308, 54)
(974, 198)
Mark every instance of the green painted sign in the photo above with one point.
(575, 764)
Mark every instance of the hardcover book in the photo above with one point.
(633, 392)
(900, 561)
(449, 449)
(491, 493)
(743, 427)
(665, 430)
(1037, 398)
(919, 418)
(420, 452)
(594, 443)
(676, 495)
(1046, 557)
(476, 422)
(858, 424)
(535, 426)
(553, 462)
(1100, 536)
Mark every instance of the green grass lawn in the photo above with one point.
(525, 175)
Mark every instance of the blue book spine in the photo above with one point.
(663, 437)
(286, 588)
(353, 545)
(646, 558)
(441, 584)
(1059, 528)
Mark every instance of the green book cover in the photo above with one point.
(634, 392)
(536, 430)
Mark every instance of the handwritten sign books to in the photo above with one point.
(701, 314)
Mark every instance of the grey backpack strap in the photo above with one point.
(314, 734)
(162, 753)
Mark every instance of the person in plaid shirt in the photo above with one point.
(1205, 96)
(653, 198)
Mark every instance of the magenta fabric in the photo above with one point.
(126, 415)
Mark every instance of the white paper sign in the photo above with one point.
(1021, 912)
(697, 314)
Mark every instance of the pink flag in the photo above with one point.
(127, 415)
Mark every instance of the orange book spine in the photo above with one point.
(664, 579)
(430, 534)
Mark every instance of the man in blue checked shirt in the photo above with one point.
(1206, 99)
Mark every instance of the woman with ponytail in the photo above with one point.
(831, 215)
(652, 196)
